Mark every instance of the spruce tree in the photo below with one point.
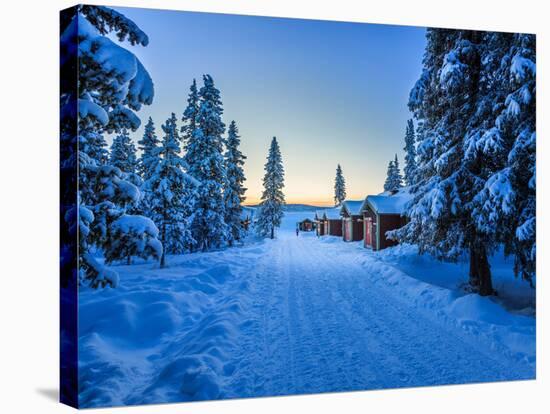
(173, 194)
(394, 180)
(410, 154)
(123, 153)
(502, 138)
(444, 101)
(147, 164)
(273, 199)
(133, 235)
(397, 178)
(519, 230)
(234, 189)
(190, 114)
(205, 162)
(388, 184)
(94, 145)
(476, 175)
(107, 98)
(114, 198)
(149, 151)
(339, 187)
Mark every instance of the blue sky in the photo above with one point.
(331, 92)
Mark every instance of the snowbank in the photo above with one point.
(174, 326)
(436, 288)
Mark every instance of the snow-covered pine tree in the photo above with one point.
(114, 196)
(147, 163)
(339, 187)
(112, 84)
(204, 157)
(410, 154)
(94, 145)
(519, 231)
(234, 189)
(397, 178)
(173, 194)
(123, 153)
(119, 84)
(148, 145)
(394, 180)
(502, 140)
(444, 101)
(133, 235)
(190, 114)
(273, 199)
(388, 184)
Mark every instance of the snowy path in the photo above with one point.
(285, 316)
(320, 326)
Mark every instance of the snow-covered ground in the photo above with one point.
(297, 315)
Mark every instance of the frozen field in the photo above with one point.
(297, 315)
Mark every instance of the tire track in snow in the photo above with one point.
(263, 343)
(314, 343)
(353, 353)
(326, 325)
(427, 352)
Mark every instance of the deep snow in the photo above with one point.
(297, 315)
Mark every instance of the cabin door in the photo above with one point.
(347, 229)
(368, 232)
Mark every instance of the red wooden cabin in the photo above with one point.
(320, 222)
(306, 225)
(333, 221)
(352, 220)
(382, 213)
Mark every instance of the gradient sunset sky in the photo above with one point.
(331, 92)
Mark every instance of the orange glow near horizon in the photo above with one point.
(252, 201)
(309, 202)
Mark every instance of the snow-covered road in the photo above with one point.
(321, 324)
(285, 316)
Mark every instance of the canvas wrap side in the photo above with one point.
(68, 211)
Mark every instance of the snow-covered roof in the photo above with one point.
(353, 207)
(333, 213)
(387, 203)
(328, 214)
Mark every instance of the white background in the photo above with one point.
(29, 205)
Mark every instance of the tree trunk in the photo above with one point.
(272, 232)
(129, 260)
(485, 282)
(480, 270)
(474, 274)
(163, 255)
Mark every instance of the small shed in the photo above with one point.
(333, 222)
(352, 220)
(320, 222)
(382, 213)
(306, 225)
